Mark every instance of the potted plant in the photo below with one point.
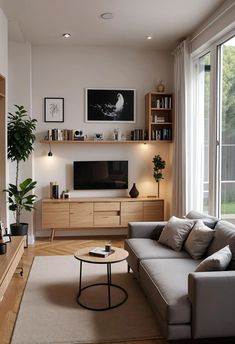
(158, 166)
(20, 131)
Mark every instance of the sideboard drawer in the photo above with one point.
(106, 219)
(106, 206)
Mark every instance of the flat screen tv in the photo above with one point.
(98, 175)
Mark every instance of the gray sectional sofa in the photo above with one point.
(189, 305)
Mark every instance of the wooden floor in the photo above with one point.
(10, 304)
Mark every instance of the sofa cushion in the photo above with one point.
(224, 235)
(193, 214)
(165, 282)
(148, 249)
(218, 261)
(208, 220)
(198, 240)
(175, 232)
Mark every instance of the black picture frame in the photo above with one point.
(110, 105)
(53, 109)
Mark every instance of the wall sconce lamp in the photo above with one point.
(50, 154)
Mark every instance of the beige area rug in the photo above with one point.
(50, 314)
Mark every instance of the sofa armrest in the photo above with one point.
(145, 229)
(212, 296)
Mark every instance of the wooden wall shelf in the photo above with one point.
(159, 105)
(100, 142)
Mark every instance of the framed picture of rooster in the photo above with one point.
(110, 105)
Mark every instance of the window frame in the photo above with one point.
(215, 132)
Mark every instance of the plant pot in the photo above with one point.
(3, 248)
(21, 230)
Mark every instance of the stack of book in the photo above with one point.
(164, 103)
(162, 134)
(160, 119)
(56, 134)
(138, 135)
(100, 252)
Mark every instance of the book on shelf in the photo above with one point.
(138, 135)
(162, 134)
(100, 252)
(163, 103)
(56, 134)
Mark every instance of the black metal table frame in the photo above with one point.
(109, 285)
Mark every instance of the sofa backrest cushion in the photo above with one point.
(193, 214)
(175, 232)
(224, 235)
(209, 221)
(218, 261)
(198, 240)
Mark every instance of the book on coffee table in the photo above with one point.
(100, 252)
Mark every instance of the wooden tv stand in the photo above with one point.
(9, 262)
(114, 212)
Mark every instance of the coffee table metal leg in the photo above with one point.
(109, 282)
(80, 280)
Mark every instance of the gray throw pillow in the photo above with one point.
(224, 235)
(175, 232)
(218, 261)
(198, 240)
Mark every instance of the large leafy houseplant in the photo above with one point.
(158, 166)
(20, 131)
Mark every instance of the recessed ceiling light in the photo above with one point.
(107, 15)
(66, 35)
(148, 37)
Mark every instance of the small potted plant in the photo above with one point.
(20, 130)
(158, 166)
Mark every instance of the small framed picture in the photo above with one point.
(110, 105)
(53, 109)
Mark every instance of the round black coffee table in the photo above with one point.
(117, 256)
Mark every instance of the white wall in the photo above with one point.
(3, 142)
(20, 93)
(66, 73)
(3, 44)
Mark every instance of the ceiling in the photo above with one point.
(167, 21)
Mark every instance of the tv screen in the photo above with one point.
(97, 175)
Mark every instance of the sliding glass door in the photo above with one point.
(227, 129)
(214, 104)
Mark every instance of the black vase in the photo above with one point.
(134, 193)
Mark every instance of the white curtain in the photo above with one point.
(188, 130)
